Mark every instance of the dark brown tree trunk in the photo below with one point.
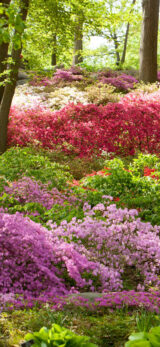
(126, 40)
(54, 52)
(3, 50)
(149, 39)
(10, 87)
(116, 45)
(78, 43)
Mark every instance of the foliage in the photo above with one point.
(137, 187)
(104, 329)
(145, 339)
(58, 336)
(18, 162)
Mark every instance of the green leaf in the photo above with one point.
(138, 336)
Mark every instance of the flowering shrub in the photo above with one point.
(41, 81)
(27, 190)
(119, 128)
(18, 162)
(35, 200)
(122, 82)
(137, 98)
(92, 253)
(101, 94)
(107, 73)
(68, 76)
(158, 76)
(137, 187)
(114, 300)
(62, 96)
(35, 262)
(119, 242)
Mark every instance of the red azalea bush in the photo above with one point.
(120, 128)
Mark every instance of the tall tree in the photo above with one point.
(78, 40)
(126, 39)
(10, 86)
(3, 44)
(149, 39)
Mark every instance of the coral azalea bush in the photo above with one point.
(122, 128)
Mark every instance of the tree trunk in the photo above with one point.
(149, 40)
(126, 39)
(3, 50)
(116, 45)
(78, 43)
(10, 87)
(54, 52)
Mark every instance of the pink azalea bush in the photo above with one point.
(113, 300)
(28, 190)
(122, 82)
(118, 242)
(91, 254)
(33, 261)
(121, 128)
(67, 75)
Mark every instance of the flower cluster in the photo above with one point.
(118, 243)
(93, 254)
(120, 128)
(112, 300)
(149, 172)
(33, 261)
(28, 190)
(67, 75)
(122, 82)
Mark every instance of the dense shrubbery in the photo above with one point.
(137, 186)
(83, 242)
(84, 254)
(119, 128)
(122, 83)
(101, 94)
(18, 162)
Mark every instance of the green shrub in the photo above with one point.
(145, 339)
(58, 336)
(101, 94)
(18, 162)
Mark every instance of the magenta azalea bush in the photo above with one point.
(68, 75)
(121, 128)
(122, 82)
(34, 262)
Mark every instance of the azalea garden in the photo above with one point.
(80, 206)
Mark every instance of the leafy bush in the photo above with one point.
(84, 130)
(58, 336)
(138, 187)
(101, 94)
(18, 162)
(117, 181)
(145, 339)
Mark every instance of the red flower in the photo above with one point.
(116, 199)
